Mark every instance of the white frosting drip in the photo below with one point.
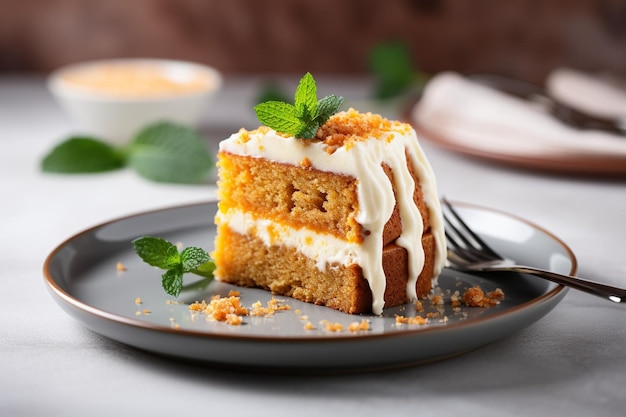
(375, 197)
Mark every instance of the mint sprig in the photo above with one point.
(163, 254)
(305, 116)
(162, 152)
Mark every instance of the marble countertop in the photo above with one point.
(571, 362)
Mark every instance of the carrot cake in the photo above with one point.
(349, 219)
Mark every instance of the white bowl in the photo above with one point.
(114, 99)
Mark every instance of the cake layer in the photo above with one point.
(293, 195)
(248, 261)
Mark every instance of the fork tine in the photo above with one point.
(460, 246)
(470, 239)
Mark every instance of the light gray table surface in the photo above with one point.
(572, 362)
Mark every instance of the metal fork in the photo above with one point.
(468, 252)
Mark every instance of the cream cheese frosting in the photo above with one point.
(376, 200)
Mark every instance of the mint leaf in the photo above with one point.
(206, 269)
(326, 107)
(172, 281)
(193, 258)
(157, 252)
(280, 116)
(304, 117)
(306, 98)
(167, 152)
(80, 155)
(308, 131)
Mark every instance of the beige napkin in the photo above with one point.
(473, 115)
(597, 95)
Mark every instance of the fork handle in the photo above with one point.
(615, 294)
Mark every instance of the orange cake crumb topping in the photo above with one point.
(345, 128)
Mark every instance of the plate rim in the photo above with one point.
(595, 165)
(61, 295)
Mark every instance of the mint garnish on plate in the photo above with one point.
(163, 152)
(163, 254)
(305, 116)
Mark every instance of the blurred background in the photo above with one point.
(519, 38)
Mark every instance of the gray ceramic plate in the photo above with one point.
(82, 276)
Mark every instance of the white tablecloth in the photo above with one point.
(571, 362)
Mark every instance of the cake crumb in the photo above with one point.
(273, 305)
(221, 309)
(146, 311)
(356, 326)
(476, 297)
(411, 320)
(234, 319)
(436, 299)
(419, 307)
(198, 306)
(496, 294)
(455, 299)
(138, 301)
(331, 327)
(120, 267)
(309, 326)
